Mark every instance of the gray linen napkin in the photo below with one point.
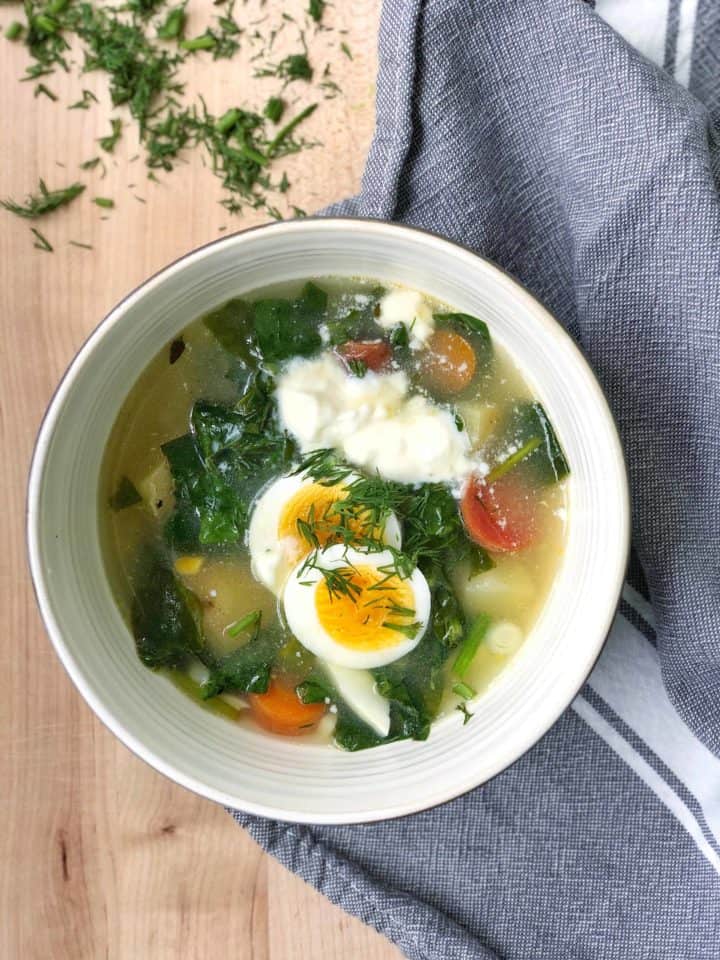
(536, 135)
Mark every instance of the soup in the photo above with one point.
(333, 510)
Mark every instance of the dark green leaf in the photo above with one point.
(126, 495)
(547, 461)
(247, 669)
(274, 109)
(315, 690)
(231, 325)
(287, 328)
(215, 427)
(165, 615)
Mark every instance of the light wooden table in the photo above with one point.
(100, 856)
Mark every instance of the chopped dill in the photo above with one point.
(174, 26)
(141, 59)
(316, 9)
(42, 89)
(84, 246)
(36, 205)
(84, 102)
(109, 142)
(467, 716)
(41, 242)
(346, 50)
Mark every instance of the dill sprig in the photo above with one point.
(36, 205)
(41, 242)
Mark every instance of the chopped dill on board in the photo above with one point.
(43, 202)
(139, 47)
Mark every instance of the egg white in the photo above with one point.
(272, 558)
(302, 618)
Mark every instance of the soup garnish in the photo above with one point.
(333, 510)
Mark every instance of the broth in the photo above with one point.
(207, 583)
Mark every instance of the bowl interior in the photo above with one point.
(253, 771)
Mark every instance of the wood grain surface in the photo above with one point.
(101, 856)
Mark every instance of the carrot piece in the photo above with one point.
(499, 516)
(450, 362)
(280, 710)
(375, 354)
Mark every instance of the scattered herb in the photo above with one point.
(174, 26)
(316, 9)
(285, 132)
(467, 716)
(42, 89)
(346, 50)
(83, 246)
(90, 164)
(109, 142)
(205, 41)
(14, 30)
(274, 109)
(104, 202)
(84, 102)
(44, 202)
(41, 242)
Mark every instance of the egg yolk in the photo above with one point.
(313, 503)
(376, 611)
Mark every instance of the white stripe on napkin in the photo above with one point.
(685, 37)
(650, 777)
(643, 23)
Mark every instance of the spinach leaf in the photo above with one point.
(247, 669)
(231, 326)
(207, 509)
(165, 616)
(287, 328)
(352, 734)
(126, 495)
(434, 532)
(547, 461)
(215, 427)
(469, 323)
(353, 317)
(315, 689)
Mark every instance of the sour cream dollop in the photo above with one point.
(372, 422)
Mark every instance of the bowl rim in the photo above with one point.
(41, 448)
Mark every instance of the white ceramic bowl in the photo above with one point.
(251, 770)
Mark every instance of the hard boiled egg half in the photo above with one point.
(275, 541)
(352, 608)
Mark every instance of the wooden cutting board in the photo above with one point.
(101, 856)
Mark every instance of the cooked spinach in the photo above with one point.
(126, 495)
(231, 325)
(286, 328)
(247, 669)
(529, 421)
(469, 324)
(165, 616)
(221, 463)
(207, 509)
(315, 689)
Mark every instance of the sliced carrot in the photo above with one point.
(450, 362)
(375, 354)
(500, 516)
(280, 710)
